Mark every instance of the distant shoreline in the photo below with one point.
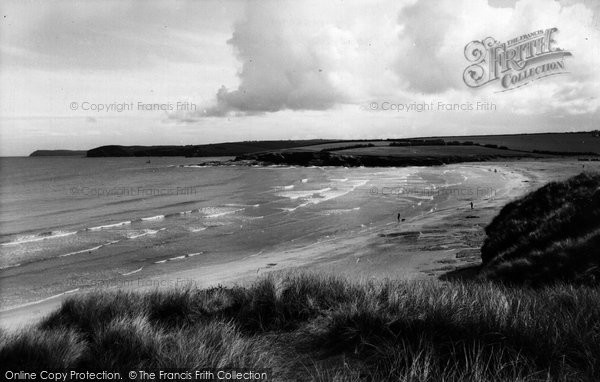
(579, 143)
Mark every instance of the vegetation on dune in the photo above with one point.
(550, 235)
(316, 327)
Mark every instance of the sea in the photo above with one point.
(69, 223)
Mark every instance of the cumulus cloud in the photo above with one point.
(287, 61)
(311, 56)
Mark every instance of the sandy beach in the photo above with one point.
(433, 244)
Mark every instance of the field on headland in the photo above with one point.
(556, 142)
(433, 151)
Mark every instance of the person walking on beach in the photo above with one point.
(471, 205)
(398, 217)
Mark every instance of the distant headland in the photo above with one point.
(58, 153)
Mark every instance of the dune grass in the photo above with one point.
(551, 235)
(321, 327)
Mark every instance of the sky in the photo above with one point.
(81, 74)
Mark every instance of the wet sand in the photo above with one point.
(430, 245)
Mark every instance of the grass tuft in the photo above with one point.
(322, 327)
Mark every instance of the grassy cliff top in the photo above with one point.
(550, 235)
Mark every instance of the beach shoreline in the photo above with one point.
(423, 246)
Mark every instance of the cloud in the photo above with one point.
(434, 35)
(309, 55)
(304, 56)
(312, 56)
(425, 64)
(109, 35)
(287, 62)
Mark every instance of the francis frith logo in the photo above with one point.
(514, 63)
